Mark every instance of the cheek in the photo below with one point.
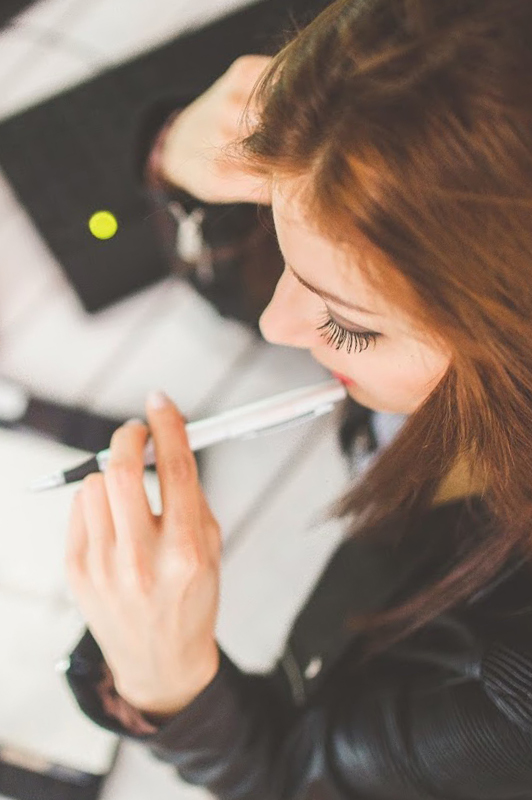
(394, 379)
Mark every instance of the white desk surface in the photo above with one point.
(265, 493)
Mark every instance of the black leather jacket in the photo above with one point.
(445, 713)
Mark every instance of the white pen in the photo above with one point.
(264, 416)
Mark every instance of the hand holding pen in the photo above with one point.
(148, 585)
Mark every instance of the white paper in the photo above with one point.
(33, 525)
(38, 714)
(39, 623)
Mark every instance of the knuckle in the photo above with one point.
(174, 421)
(215, 531)
(185, 560)
(101, 578)
(123, 470)
(192, 560)
(181, 468)
(74, 565)
(93, 483)
(131, 430)
(117, 437)
(180, 419)
(138, 575)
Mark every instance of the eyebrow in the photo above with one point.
(329, 295)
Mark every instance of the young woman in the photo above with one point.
(394, 141)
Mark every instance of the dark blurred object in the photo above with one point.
(86, 150)
(62, 783)
(10, 9)
(242, 282)
(357, 430)
(229, 252)
(72, 425)
(77, 153)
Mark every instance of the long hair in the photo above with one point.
(410, 122)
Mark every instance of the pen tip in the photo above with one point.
(49, 482)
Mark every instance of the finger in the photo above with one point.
(100, 529)
(124, 482)
(212, 530)
(76, 543)
(176, 466)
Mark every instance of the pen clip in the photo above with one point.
(291, 423)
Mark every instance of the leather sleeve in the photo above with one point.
(395, 737)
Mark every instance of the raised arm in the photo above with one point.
(193, 155)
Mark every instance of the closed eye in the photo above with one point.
(337, 336)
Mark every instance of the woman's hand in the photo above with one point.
(148, 585)
(192, 156)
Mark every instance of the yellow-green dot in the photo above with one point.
(103, 225)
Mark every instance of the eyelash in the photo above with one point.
(337, 336)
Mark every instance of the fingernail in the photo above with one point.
(157, 400)
(134, 421)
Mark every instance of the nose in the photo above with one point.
(287, 319)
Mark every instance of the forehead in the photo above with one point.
(335, 267)
(320, 261)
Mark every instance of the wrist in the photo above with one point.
(156, 707)
(157, 164)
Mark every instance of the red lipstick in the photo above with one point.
(343, 379)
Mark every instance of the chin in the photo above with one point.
(358, 395)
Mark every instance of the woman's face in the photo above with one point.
(394, 371)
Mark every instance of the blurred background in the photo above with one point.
(88, 326)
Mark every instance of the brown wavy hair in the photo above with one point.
(410, 122)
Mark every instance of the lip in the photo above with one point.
(343, 379)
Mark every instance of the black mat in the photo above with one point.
(23, 784)
(75, 154)
(10, 8)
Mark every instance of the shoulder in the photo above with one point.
(501, 613)
(450, 528)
